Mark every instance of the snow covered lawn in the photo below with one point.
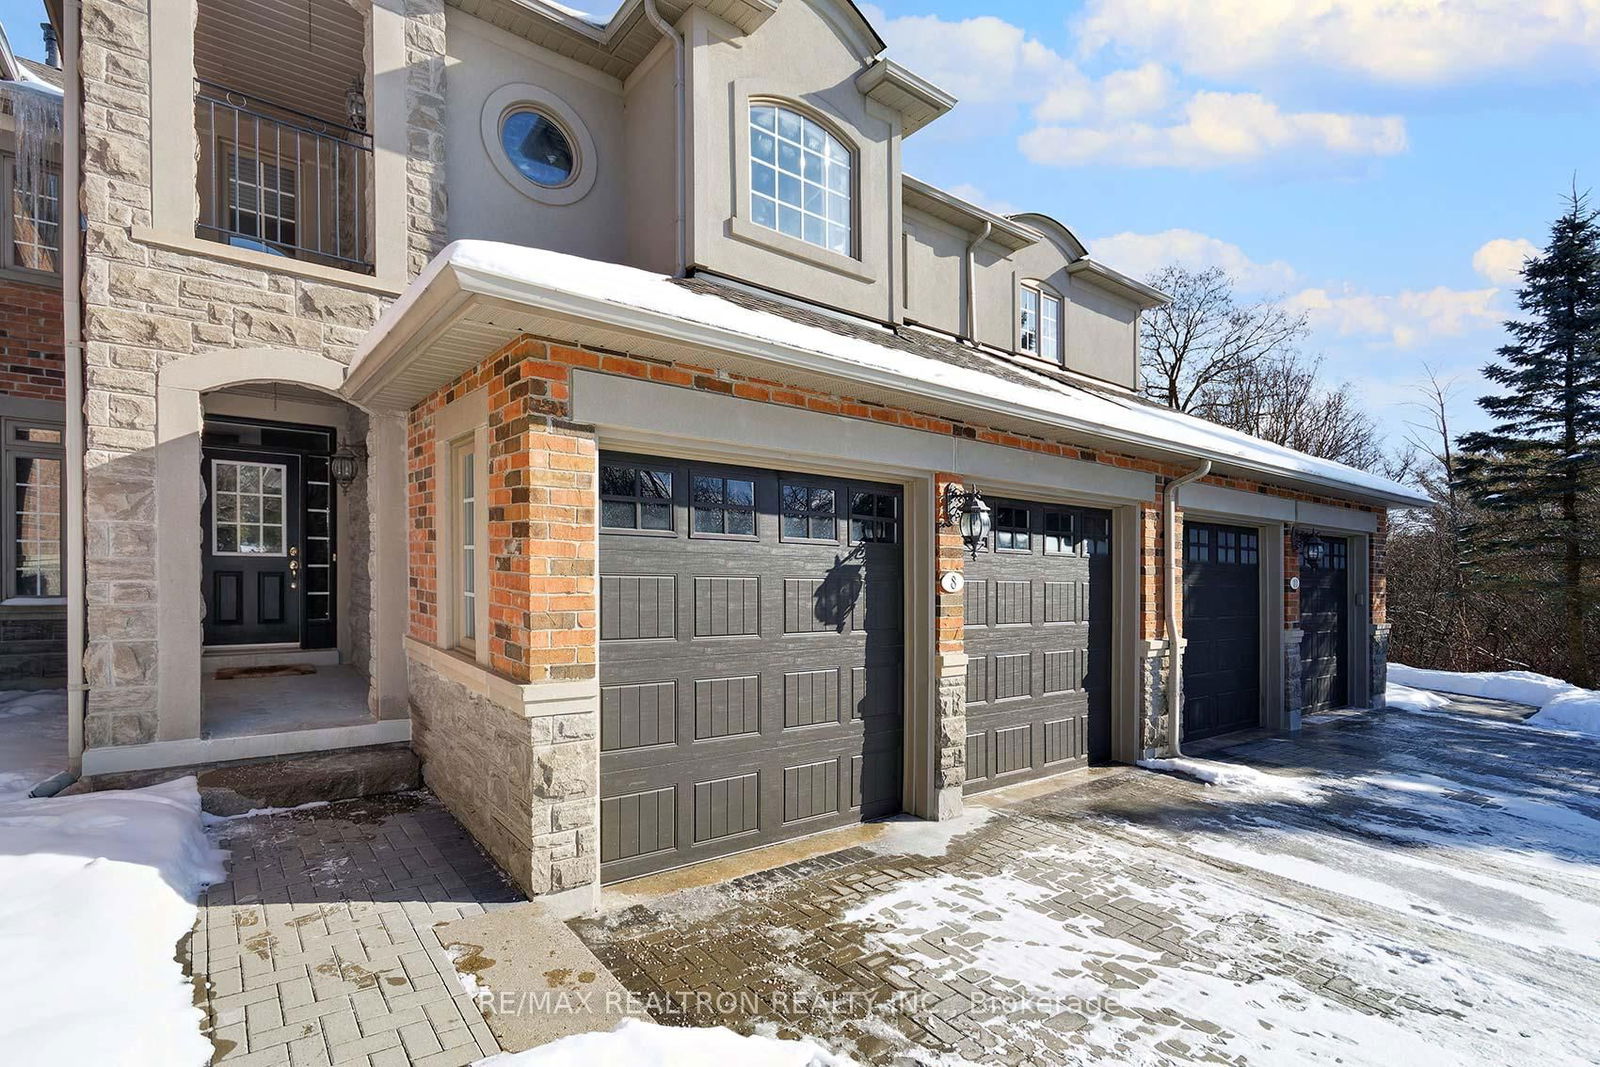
(96, 891)
(1562, 705)
(33, 738)
(639, 1044)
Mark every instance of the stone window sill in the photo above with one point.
(194, 246)
(743, 229)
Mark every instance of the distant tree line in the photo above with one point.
(1501, 573)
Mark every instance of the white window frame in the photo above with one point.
(237, 157)
(461, 423)
(10, 450)
(8, 221)
(283, 517)
(829, 159)
(1047, 336)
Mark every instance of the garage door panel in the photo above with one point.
(1222, 627)
(750, 683)
(1038, 639)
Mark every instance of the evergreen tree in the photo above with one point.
(1534, 473)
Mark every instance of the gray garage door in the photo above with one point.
(1222, 624)
(1038, 640)
(1324, 617)
(750, 658)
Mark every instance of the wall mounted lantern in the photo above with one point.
(355, 106)
(344, 465)
(1310, 547)
(966, 511)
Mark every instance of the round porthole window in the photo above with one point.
(538, 147)
(539, 144)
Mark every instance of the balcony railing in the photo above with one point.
(281, 181)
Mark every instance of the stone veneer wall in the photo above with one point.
(147, 306)
(543, 570)
(355, 554)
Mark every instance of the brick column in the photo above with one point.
(1152, 667)
(950, 681)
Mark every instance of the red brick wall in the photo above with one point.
(950, 554)
(542, 483)
(31, 361)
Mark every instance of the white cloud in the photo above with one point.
(1404, 319)
(1122, 94)
(1216, 129)
(983, 60)
(974, 195)
(1142, 254)
(1418, 42)
(1500, 261)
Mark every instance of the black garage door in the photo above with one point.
(1038, 641)
(1324, 619)
(750, 658)
(1222, 623)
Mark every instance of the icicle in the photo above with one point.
(36, 109)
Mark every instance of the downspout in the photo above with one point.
(681, 187)
(72, 350)
(1172, 578)
(972, 281)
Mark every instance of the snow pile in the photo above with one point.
(907, 835)
(1405, 698)
(33, 738)
(1229, 775)
(641, 1044)
(1562, 705)
(96, 891)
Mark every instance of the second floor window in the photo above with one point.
(799, 179)
(1039, 323)
(32, 217)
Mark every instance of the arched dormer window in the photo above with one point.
(800, 181)
(1039, 319)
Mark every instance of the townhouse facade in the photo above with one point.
(599, 408)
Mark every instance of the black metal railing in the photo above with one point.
(281, 181)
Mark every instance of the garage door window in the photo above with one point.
(1059, 539)
(725, 506)
(635, 498)
(1199, 545)
(874, 518)
(1096, 535)
(1011, 530)
(1249, 549)
(809, 514)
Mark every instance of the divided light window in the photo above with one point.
(809, 513)
(261, 199)
(874, 518)
(32, 550)
(247, 516)
(724, 506)
(466, 562)
(1039, 323)
(1011, 530)
(635, 498)
(1059, 537)
(799, 179)
(32, 220)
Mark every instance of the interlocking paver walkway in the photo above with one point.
(319, 950)
(1400, 875)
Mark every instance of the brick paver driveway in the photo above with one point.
(319, 949)
(1394, 888)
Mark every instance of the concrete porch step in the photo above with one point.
(214, 659)
(239, 786)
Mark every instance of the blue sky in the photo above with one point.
(1381, 164)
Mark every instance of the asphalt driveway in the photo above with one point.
(1388, 887)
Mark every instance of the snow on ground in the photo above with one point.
(96, 891)
(33, 738)
(1233, 776)
(907, 835)
(1406, 698)
(641, 1044)
(1562, 705)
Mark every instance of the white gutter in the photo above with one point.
(1172, 576)
(72, 350)
(681, 186)
(972, 280)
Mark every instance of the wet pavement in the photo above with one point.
(1389, 886)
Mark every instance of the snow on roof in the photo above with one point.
(627, 295)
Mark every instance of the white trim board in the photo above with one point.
(669, 413)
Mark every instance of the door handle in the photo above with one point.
(294, 565)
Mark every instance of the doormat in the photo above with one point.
(282, 670)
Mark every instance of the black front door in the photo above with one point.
(251, 521)
(1222, 625)
(1324, 617)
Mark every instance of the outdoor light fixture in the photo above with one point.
(355, 105)
(344, 465)
(1312, 548)
(965, 510)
